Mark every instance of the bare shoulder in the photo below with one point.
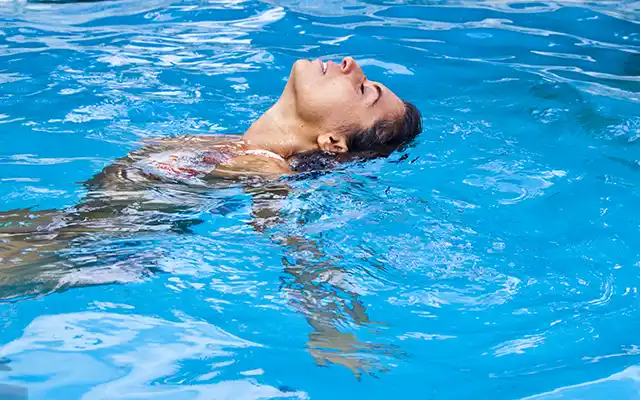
(253, 164)
(240, 165)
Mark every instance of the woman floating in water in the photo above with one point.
(325, 107)
(327, 113)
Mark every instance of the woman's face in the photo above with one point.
(335, 98)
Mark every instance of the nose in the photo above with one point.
(350, 66)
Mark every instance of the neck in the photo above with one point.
(279, 130)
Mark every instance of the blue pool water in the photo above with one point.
(499, 257)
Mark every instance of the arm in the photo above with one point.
(316, 286)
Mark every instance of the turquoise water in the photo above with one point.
(496, 258)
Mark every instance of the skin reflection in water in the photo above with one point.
(316, 286)
(315, 290)
(97, 242)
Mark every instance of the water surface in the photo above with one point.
(496, 258)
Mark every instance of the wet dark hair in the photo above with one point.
(382, 139)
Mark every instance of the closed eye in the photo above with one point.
(379, 90)
(362, 88)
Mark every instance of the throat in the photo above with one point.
(280, 133)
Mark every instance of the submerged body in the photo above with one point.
(161, 176)
(193, 160)
(325, 107)
(170, 185)
(138, 192)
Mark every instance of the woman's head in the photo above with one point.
(342, 111)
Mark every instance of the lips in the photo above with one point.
(323, 66)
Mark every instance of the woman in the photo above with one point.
(327, 111)
(325, 107)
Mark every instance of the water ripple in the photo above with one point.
(500, 245)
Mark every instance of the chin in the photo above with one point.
(299, 68)
(301, 80)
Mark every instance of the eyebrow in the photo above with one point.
(379, 95)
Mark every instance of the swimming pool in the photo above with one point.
(496, 258)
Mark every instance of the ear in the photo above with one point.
(332, 143)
